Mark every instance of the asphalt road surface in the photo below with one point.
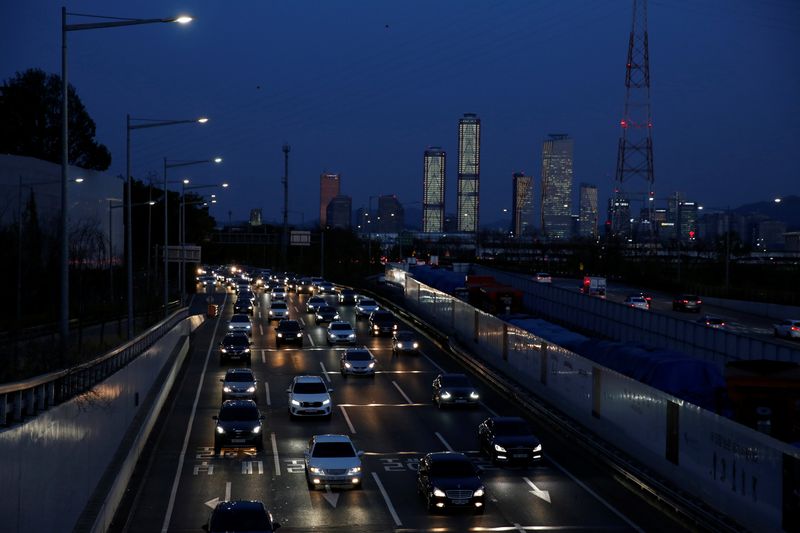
(391, 418)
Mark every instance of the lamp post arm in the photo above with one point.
(158, 123)
(117, 24)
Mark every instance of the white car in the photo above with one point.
(278, 310)
(340, 331)
(637, 302)
(278, 294)
(309, 396)
(357, 362)
(332, 460)
(365, 307)
(543, 277)
(789, 328)
(240, 323)
(239, 384)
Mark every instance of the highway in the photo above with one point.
(391, 418)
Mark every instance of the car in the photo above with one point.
(241, 516)
(332, 460)
(309, 396)
(235, 345)
(243, 306)
(454, 389)
(357, 362)
(248, 296)
(347, 296)
(207, 280)
(340, 331)
(278, 294)
(687, 302)
(405, 342)
(288, 331)
(240, 323)
(711, 321)
(239, 384)
(314, 303)
(449, 480)
(238, 426)
(365, 307)
(382, 322)
(789, 328)
(325, 313)
(543, 277)
(507, 439)
(315, 281)
(303, 285)
(637, 302)
(326, 287)
(278, 310)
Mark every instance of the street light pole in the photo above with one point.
(285, 242)
(129, 226)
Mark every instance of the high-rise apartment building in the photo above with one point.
(557, 187)
(521, 204)
(587, 211)
(339, 212)
(687, 221)
(433, 178)
(328, 189)
(390, 214)
(469, 171)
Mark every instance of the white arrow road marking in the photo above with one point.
(330, 496)
(446, 445)
(385, 495)
(539, 493)
(212, 503)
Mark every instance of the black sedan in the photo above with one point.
(235, 346)
(347, 296)
(240, 516)
(326, 313)
(288, 331)
(238, 426)
(449, 480)
(382, 323)
(687, 302)
(454, 389)
(243, 306)
(405, 342)
(507, 439)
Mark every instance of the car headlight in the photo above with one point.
(299, 335)
(347, 365)
(270, 312)
(351, 336)
(295, 402)
(394, 326)
(354, 470)
(257, 429)
(220, 430)
(478, 492)
(474, 395)
(280, 335)
(372, 365)
(439, 493)
(251, 389)
(445, 395)
(230, 326)
(224, 350)
(315, 470)
(336, 316)
(499, 448)
(416, 345)
(538, 448)
(326, 401)
(247, 350)
(226, 389)
(376, 326)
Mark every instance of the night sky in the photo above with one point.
(362, 87)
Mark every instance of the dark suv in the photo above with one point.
(241, 515)
(288, 331)
(449, 480)
(235, 346)
(687, 302)
(238, 426)
(382, 323)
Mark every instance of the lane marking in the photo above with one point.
(446, 445)
(310, 339)
(347, 419)
(264, 357)
(431, 361)
(386, 404)
(408, 400)
(596, 496)
(174, 492)
(385, 495)
(261, 329)
(275, 455)
(491, 411)
(539, 493)
(302, 321)
(266, 394)
(227, 491)
(325, 371)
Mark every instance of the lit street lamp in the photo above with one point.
(117, 22)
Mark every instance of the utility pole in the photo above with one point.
(285, 240)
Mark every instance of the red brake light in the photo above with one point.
(699, 302)
(795, 328)
(686, 301)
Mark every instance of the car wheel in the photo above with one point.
(309, 484)
(478, 510)
(429, 504)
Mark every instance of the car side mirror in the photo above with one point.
(222, 380)
(215, 417)
(330, 390)
(289, 390)
(360, 453)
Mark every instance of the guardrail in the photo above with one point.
(26, 398)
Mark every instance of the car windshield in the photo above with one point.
(359, 355)
(278, 305)
(240, 520)
(381, 315)
(452, 469)
(239, 377)
(289, 326)
(327, 309)
(455, 381)
(316, 300)
(405, 336)
(239, 318)
(314, 387)
(367, 303)
(236, 340)
(341, 327)
(512, 428)
(238, 413)
(333, 449)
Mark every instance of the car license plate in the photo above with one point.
(461, 400)
(520, 455)
(237, 441)
(460, 502)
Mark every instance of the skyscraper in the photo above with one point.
(390, 214)
(587, 216)
(328, 189)
(522, 204)
(557, 186)
(618, 206)
(469, 170)
(687, 221)
(339, 212)
(433, 177)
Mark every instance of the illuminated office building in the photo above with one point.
(328, 190)
(433, 178)
(469, 170)
(557, 187)
(522, 204)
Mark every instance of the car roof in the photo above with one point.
(453, 375)
(507, 419)
(447, 456)
(405, 333)
(243, 318)
(288, 321)
(232, 505)
(362, 349)
(340, 322)
(278, 304)
(232, 371)
(329, 437)
(239, 404)
(307, 379)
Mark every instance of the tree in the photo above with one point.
(30, 122)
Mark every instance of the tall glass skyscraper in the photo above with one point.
(522, 204)
(469, 170)
(433, 176)
(339, 212)
(557, 186)
(328, 190)
(587, 217)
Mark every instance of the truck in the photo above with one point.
(594, 286)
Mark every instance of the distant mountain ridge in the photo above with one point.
(787, 211)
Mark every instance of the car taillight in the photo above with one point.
(795, 328)
(686, 301)
(699, 302)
